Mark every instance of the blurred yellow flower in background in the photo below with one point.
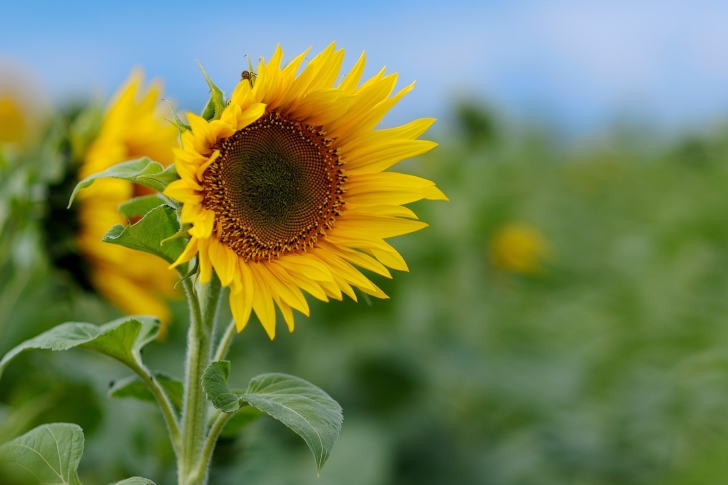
(132, 127)
(520, 248)
(22, 104)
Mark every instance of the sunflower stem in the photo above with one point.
(203, 310)
(225, 341)
(217, 427)
(165, 405)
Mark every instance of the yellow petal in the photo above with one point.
(189, 252)
(263, 302)
(203, 259)
(308, 266)
(348, 85)
(203, 224)
(224, 260)
(180, 190)
(379, 157)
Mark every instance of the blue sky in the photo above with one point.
(582, 64)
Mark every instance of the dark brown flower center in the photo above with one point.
(275, 188)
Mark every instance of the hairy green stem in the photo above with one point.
(203, 309)
(225, 341)
(164, 404)
(217, 427)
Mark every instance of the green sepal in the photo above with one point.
(139, 206)
(303, 407)
(121, 339)
(142, 171)
(177, 122)
(216, 103)
(154, 233)
(46, 454)
(183, 233)
(133, 387)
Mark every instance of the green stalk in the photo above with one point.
(203, 309)
(217, 427)
(225, 341)
(165, 405)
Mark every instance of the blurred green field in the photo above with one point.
(610, 366)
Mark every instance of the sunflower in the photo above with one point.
(132, 127)
(23, 106)
(287, 190)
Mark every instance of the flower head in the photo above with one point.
(133, 127)
(287, 190)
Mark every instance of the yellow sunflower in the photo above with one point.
(23, 106)
(287, 190)
(133, 127)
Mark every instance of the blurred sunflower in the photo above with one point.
(520, 248)
(287, 190)
(22, 105)
(132, 127)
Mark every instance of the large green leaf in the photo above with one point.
(301, 406)
(121, 339)
(143, 171)
(48, 454)
(153, 234)
(214, 383)
(134, 387)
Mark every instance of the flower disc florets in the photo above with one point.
(276, 187)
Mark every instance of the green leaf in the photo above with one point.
(139, 206)
(301, 406)
(121, 339)
(214, 383)
(134, 481)
(134, 387)
(142, 171)
(48, 454)
(158, 225)
(216, 103)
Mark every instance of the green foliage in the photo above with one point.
(154, 234)
(121, 339)
(47, 454)
(143, 171)
(133, 387)
(303, 407)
